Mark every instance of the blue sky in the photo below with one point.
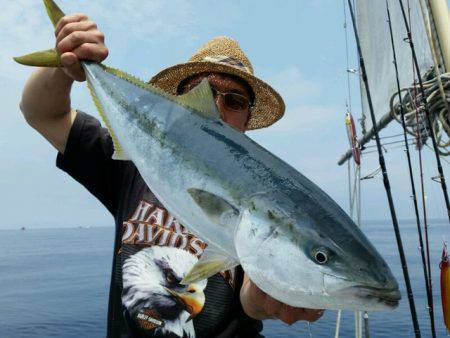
(296, 46)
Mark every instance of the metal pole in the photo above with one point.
(366, 325)
(338, 324)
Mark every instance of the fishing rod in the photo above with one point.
(410, 140)
(386, 181)
(427, 111)
(426, 274)
(422, 184)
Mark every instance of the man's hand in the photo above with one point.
(259, 305)
(77, 38)
(46, 97)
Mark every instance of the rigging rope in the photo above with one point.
(437, 107)
(427, 276)
(386, 181)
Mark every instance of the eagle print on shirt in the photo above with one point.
(153, 295)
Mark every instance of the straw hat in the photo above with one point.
(223, 55)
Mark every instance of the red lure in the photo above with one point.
(351, 133)
(445, 286)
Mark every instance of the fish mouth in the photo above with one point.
(389, 297)
(362, 296)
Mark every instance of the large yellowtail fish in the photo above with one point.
(252, 208)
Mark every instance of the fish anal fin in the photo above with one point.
(211, 262)
(201, 99)
(119, 152)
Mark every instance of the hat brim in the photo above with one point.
(268, 105)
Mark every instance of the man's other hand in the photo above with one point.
(259, 305)
(78, 38)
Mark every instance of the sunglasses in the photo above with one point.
(233, 101)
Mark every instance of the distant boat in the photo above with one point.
(22, 228)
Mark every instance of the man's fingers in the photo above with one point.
(312, 315)
(72, 66)
(73, 27)
(75, 39)
(273, 308)
(68, 59)
(290, 315)
(91, 51)
(68, 19)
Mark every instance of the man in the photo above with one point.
(152, 250)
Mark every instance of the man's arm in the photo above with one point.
(46, 97)
(46, 105)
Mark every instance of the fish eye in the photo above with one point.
(321, 255)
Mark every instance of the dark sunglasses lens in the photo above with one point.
(236, 101)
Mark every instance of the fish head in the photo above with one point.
(312, 257)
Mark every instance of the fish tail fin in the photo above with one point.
(53, 11)
(49, 57)
(44, 58)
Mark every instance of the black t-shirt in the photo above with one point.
(152, 252)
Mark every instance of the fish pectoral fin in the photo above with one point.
(49, 57)
(201, 99)
(219, 210)
(211, 262)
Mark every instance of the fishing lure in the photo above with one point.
(351, 133)
(445, 286)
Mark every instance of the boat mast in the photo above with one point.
(441, 19)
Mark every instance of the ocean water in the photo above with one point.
(55, 283)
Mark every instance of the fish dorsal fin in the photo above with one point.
(219, 210)
(212, 261)
(138, 82)
(201, 99)
(119, 153)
